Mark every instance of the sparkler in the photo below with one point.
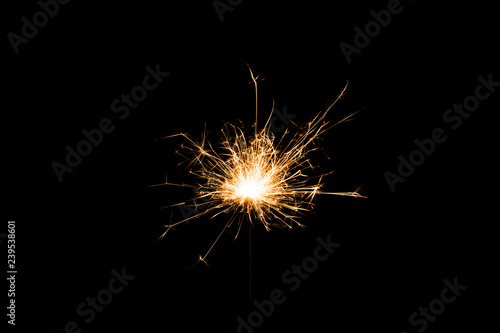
(257, 178)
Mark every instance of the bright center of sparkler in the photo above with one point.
(250, 189)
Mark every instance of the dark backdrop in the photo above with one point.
(397, 247)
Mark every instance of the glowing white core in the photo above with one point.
(250, 189)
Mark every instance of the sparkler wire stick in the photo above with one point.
(250, 224)
(250, 266)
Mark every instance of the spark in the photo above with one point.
(257, 178)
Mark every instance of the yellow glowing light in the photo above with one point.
(250, 189)
(258, 177)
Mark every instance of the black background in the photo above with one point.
(397, 248)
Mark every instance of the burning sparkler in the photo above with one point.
(257, 177)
